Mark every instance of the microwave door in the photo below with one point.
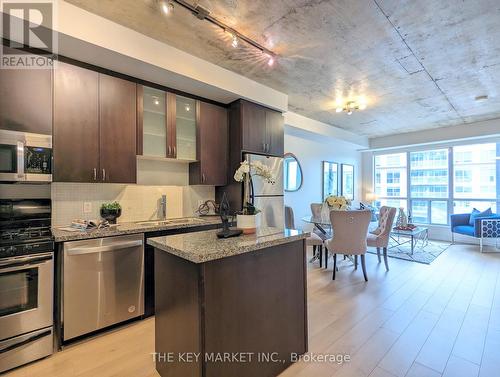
(12, 162)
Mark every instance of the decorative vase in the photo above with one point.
(402, 220)
(111, 214)
(248, 223)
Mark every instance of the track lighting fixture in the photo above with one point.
(234, 43)
(204, 14)
(167, 7)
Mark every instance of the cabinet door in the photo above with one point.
(275, 133)
(253, 123)
(212, 149)
(26, 99)
(117, 130)
(185, 128)
(152, 122)
(171, 120)
(76, 124)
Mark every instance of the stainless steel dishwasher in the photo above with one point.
(103, 283)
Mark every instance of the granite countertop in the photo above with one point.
(61, 235)
(204, 246)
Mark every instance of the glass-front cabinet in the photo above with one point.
(166, 124)
(185, 120)
(154, 136)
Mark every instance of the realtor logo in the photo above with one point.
(27, 30)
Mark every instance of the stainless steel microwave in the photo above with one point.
(25, 157)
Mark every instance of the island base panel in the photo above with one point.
(252, 304)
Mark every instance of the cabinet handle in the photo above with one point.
(95, 174)
(203, 177)
(104, 174)
(175, 150)
(264, 147)
(169, 150)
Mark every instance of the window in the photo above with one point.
(432, 186)
(475, 174)
(390, 175)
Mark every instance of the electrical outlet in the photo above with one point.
(87, 207)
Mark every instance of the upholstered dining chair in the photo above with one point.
(316, 212)
(379, 237)
(313, 240)
(349, 229)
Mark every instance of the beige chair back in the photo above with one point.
(385, 221)
(316, 209)
(289, 219)
(349, 232)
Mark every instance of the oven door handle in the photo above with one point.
(99, 249)
(26, 341)
(16, 264)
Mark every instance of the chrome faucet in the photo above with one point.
(163, 207)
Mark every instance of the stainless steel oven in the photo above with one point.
(26, 293)
(26, 282)
(25, 157)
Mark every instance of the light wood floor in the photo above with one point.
(414, 321)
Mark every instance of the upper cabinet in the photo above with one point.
(185, 129)
(262, 129)
(94, 127)
(26, 100)
(166, 125)
(152, 121)
(212, 148)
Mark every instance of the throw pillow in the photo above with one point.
(475, 214)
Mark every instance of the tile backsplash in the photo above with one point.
(139, 202)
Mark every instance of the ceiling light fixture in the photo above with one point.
(350, 106)
(204, 14)
(234, 43)
(167, 7)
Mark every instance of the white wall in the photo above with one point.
(311, 150)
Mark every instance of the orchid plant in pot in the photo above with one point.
(248, 220)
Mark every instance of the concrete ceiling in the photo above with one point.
(419, 64)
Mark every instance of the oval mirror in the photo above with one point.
(292, 173)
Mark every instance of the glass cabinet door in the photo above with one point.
(154, 123)
(185, 128)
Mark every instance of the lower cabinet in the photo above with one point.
(212, 147)
(149, 264)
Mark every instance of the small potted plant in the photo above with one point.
(249, 218)
(111, 211)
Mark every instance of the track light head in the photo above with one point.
(167, 7)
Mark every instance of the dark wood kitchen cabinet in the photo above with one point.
(76, 124)
(262, 129)
(26, 99)
(117, 130)
(94, 127)
(212, 147)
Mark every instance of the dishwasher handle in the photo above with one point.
(100, 249)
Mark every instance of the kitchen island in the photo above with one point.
(230, 307)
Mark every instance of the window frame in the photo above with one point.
(450, 198)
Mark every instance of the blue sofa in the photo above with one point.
(460, 224)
